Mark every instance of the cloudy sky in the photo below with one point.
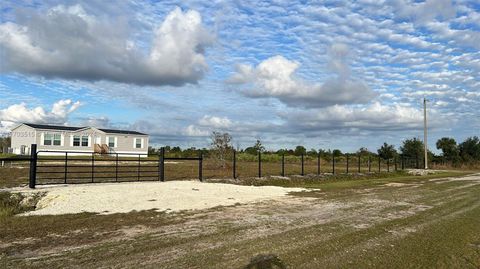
(328, 74)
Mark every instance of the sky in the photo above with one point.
(323, 74)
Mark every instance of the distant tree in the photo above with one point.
(412, 148)
(220, 146)
(5, 143)
(191, 152)
(176, 149)
(449, 148)
(258, 146)
(250, 150)
(364, 151)
(325, 154)
(470, 149)
(312, 152)
(255, 148)
(387, 151)
(152, 150)
(337, 153)
(299, 150)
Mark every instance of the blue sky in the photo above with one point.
(328, 74)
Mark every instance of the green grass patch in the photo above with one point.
(7, 155)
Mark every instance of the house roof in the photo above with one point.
(71, 128)
(120, 131)
(53, 127)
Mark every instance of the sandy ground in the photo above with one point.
(169, 196)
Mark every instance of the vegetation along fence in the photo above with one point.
(71, 168)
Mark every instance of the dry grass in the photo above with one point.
(80, 170)
(424, 223)
(13, 176)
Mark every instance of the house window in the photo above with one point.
(138, 143)
(76, 141)
(84, 141)
(47, 139)
(57, 139)
(111, 142)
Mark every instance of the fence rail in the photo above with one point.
(73, 169)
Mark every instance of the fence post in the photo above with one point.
(369, 163)
(200, 166)
(395, 160)
(333, 164)
(403, 162)
(416, 161)
(33, 166)
(116, 167)
(318, 164)
(379, 164)
(65, 177)
(347, 162)
(388, 165)
(138, 168)
(303, 172)
(93, 165)
(283, 164)
(161, 164)
(259, 164)
(234, 164)
(358, 156)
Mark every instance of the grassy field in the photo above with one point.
(389, 221)
(80, 169)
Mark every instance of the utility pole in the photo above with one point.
(425, 132)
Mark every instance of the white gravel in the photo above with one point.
(108, 198)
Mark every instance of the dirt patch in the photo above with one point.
(397, 184)
(162, 196)
(422, 172)
(475, 177)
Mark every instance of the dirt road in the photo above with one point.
(412, 222)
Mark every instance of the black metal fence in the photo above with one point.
(71, 168)
(349, 163)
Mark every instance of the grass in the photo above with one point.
(424, 224)
(79, 170)
(13, 176)
(15, 203)
(7, 155)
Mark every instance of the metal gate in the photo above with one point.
(60, 167)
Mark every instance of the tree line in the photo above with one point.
(467, 151)
(221, 148)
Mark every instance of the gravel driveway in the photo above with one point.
(108, 198)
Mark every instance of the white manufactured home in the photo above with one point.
(54, 140)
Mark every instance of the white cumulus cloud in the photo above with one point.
(374, 117)
(215, 122)
(276, 77)
(68, 43)
(19, 113)
(205, 125)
